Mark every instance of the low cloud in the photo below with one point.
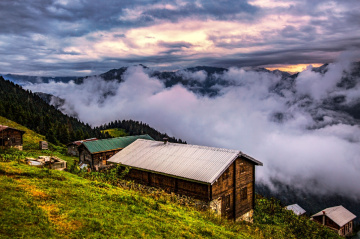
(281, 130)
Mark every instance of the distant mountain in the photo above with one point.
(114, 74)
(205, 86)
(24, 79)
(208, 81)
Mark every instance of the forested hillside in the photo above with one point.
(132, 127)
(28, 109)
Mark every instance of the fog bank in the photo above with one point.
(276, 125)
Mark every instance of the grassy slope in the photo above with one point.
(38, 203)
(115, 132)
(42, 203)
(31, 142)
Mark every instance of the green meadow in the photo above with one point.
(43, 203)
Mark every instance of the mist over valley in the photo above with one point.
(303, 127)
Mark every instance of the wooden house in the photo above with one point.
(336, 218)
(72, 148)
(95, 153)
(223, 178)
(11, 137)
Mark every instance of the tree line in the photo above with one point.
(132, 127)
(28, 109)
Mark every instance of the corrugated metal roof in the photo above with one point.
(296, 209)
(112, 143)
(79, 142)
(194, 162)
(338, 214)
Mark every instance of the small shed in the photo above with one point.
(336, 218)
(72, 148)
(43, 145)
(95, 153)
(295, 208)
(11, 137)
(222, 178)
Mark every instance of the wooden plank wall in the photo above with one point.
(99, 159)
(170, 184)
(223, 188)
(239, 175)
(245, 178)
(15, 137)
(328, 222)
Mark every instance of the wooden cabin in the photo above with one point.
(95, 153)
(72, 148)
(223, 178)
(336, 218)
(11, 137)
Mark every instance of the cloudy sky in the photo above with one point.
(82, 37)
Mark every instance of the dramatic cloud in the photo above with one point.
(279, 126)
(62, 37)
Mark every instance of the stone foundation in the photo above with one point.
(248, 217)
(215, 205)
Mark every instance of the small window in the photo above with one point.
(242, 168)
(227, 201)
(350, 225)
(243, 193)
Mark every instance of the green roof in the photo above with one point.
(112, 143)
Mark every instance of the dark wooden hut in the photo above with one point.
(223, 178)
(72, 148)
(11, 137)
(95, 153)
(336, 218)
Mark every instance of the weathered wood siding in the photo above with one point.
(245, 175)
(348, 229)
(237, 179)
(171, 184)
(345, 230)
(328, 222)
(11, 138)
(73, 150)
(223, 189)
(85, 157)
(234, 189)
(99, 159)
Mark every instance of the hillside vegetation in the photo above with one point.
(30, 138)
(43, 203)
(132, 127)
(115, 132)
(30, 110)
